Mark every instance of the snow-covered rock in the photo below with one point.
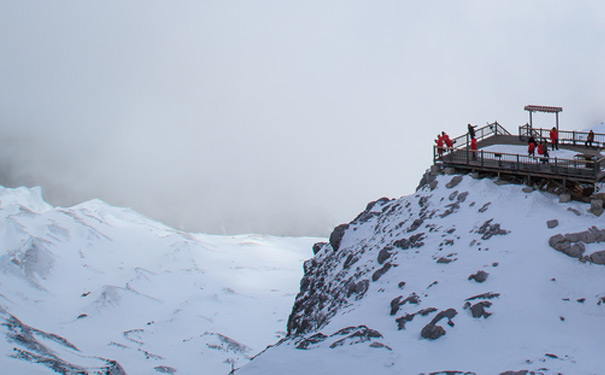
(463, 277)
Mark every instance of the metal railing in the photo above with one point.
(568, 137)
(581, 168)
(482, 133)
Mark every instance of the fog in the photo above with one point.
(281, 117)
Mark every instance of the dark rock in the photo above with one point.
(432, 332)
(415, 225)
(403, 244)
(444, 260)
(318, 246)
(598, 257)
(428, 178)
(384, 254)
(453, 195)
(350, 260)
(355, 335)
(434, 184)
(552, 223)
(520, 372)
(479, 277)
(454, 182)
(488, 295)
(401, 284)
(478, 309)
(336, 236)
(395, 303)
(578, 213)
(488, 230)
(314, 339)
(484, 207)
(462, 196)
(378, 274)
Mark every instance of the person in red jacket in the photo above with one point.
(554, 137)
(439, 142)
(474, 148)
(531, 149)
(447, 140)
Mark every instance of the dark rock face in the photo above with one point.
(384, 254)
(428, 178)
(478, 309)
(336, 236)
(479, 277)
(432, 331)
(318, 246)
(552, 223)
(573, 244)
(378, 274)
(454, 182)
(488, 230)
(401, 321)
(403, 244)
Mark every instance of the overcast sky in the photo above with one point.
(282, 117)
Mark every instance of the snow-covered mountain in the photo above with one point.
(95, 289)
(466, 276)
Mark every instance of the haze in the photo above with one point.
(281, 117)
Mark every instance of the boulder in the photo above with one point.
(318, 246)
(454, 182)
(479, 277)
(528, 189)
(384, 254)
(378, 274)
(597, 257)
(432, 332)
(552, 223)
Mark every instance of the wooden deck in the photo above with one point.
(588, 167)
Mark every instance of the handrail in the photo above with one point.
(481, 133)
(573, 137)
(502, 160)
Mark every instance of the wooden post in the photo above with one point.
(557, 116)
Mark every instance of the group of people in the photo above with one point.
(541, 147)
(443, 141)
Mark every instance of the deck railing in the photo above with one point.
(579, 168)
(569, 137)
(482, 133)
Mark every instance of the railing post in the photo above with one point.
(573, 137)
(517, 161)
(482, 158)
(556, 166)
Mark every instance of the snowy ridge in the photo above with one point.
(101, 289)
(463, 277)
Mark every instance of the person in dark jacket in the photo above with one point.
(589, 139)
(471, 131)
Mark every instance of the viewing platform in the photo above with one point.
(575, 166)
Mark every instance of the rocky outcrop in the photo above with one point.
(432, 331)
(336, 236)
(479, 277)
(574, 244)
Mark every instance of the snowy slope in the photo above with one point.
(99, 289)
(463, 277)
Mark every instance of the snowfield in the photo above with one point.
(103, 290)
(462, 277)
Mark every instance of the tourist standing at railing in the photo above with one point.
(439, 142)
(474, 148)
(471, 131)
(543, 151)
(448, 142)
(554, 138)
(532, 140)
(531, 149)
(589, 139)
